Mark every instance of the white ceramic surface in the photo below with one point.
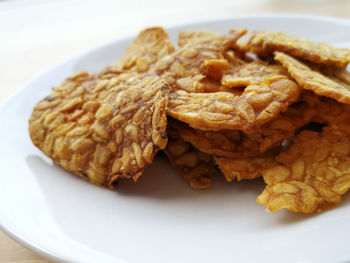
(159, 218)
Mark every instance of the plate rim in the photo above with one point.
(11, 231)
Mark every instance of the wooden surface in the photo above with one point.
(35, 35)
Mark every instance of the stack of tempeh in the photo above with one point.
(275, 106)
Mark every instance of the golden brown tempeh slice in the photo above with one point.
(312, 175)
(102, 127)
(190, 36)
(256, 105)
(239, 145)
(308, 77)
(197, 167)
(150, 45)
(264, 43)
(242, 169)
(256, 72)
(227, 143)
(327, 111)
(198, 59)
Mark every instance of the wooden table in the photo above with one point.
(35, 35)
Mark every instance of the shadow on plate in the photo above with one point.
(160, 180)
(163, 183)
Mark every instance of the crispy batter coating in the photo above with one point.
(102, 127)
(239, 145)
(150, 45)
(241, 50)
(206, 84)
(264, 43)
(326, 81)
(197, 167)
(332, 113)
(327, 111)
(256, 105)
(201, 56)
(212, 106)
(332, 83)
(228, 143)
(256, 72)
(312, 175)
(241, 169)
(188, 36)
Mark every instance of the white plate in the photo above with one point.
(159, 218)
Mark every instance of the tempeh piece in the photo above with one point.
(239, 145)
(265, 43)
(242, 169)
(312, 175)
(198, 59)
(256, 105)
(256, 72)
(321, 83)
(189, 36)
(102, 127)
(150, 45)
(197, 167)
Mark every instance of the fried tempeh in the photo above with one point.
(151, 45)
(335, 83)
(256, 105)
(228, 143)
(241, 111)
(312, 175)
(264, 43)
(256, 72)
(102, 127)
(197, 167)
(242, 169)
(197, 60)
(239, 145)
(191, 36)
(327, 111)
(268, 91)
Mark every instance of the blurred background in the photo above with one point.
(36, 34)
